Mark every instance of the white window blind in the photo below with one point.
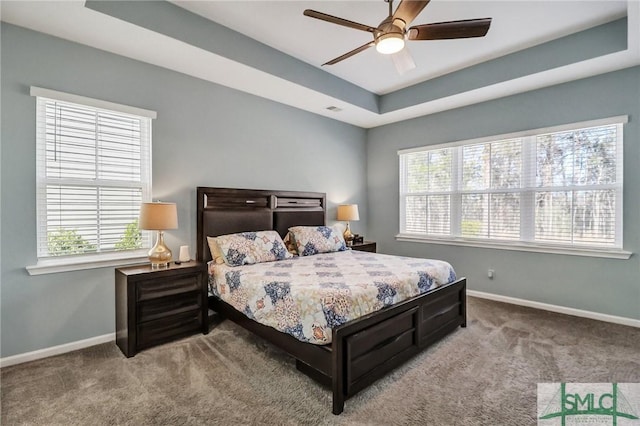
(93, 171)
(558, 187)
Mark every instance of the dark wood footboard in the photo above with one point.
(365, 349)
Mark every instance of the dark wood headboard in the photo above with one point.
(228, 211)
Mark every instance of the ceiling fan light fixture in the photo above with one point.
(390, 43)
(390, 35)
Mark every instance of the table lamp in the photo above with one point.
(159, 217)
(348, 212)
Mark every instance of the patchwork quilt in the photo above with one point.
(308, 296)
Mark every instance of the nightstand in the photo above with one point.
(369, 246)
(155, 306)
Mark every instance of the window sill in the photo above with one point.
(79, 263)
(537, 248)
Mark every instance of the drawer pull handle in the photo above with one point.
(445, 310)
(389, 341)
(250, 202)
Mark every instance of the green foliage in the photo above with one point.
(67, 241)
(471, 228)
(132, 238)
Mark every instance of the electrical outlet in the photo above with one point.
(490, 273)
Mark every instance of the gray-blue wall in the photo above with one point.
(205, 135)
(210, 135)
(594, 284)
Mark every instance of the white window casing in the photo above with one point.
(93, 165)
(554, 190)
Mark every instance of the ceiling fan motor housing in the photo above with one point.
(389, 38)
(387, 27)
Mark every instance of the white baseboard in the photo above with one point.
(56, 350)
(80, 344)
(556, 308)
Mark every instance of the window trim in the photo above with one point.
(55, 264)
(535, 248)
(577, 250)
(618, 119)
(95, 103)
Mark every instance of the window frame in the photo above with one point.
(527, 188)
(53, 264)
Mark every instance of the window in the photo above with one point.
(559, 187)
(93, 171)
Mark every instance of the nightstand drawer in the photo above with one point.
(161, 330)
(153, 289)
(167, 306)
(154, 306)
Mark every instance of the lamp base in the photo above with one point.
(348, 236)
(160, 256)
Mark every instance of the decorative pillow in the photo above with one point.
(317, 239)
(247, 248)
(216, 254)
(290, 244)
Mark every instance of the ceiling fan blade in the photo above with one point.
(350, 54)
(339, 21)
(403, 61)
(448, 30)
(408, 10)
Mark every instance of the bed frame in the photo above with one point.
(362, 350)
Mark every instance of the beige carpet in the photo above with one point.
(485, 374)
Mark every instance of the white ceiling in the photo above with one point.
(516, 25)
(280, 24)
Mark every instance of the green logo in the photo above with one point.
(588, 403)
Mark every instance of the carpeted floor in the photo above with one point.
(485, 374)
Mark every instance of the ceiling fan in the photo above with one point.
(389, 37)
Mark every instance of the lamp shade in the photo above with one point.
(158, 216)
(348, 212)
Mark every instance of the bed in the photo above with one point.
(361, 350)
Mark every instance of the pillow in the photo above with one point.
(214, 248)
(290, 244)
(317, 239)
(247, 248)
